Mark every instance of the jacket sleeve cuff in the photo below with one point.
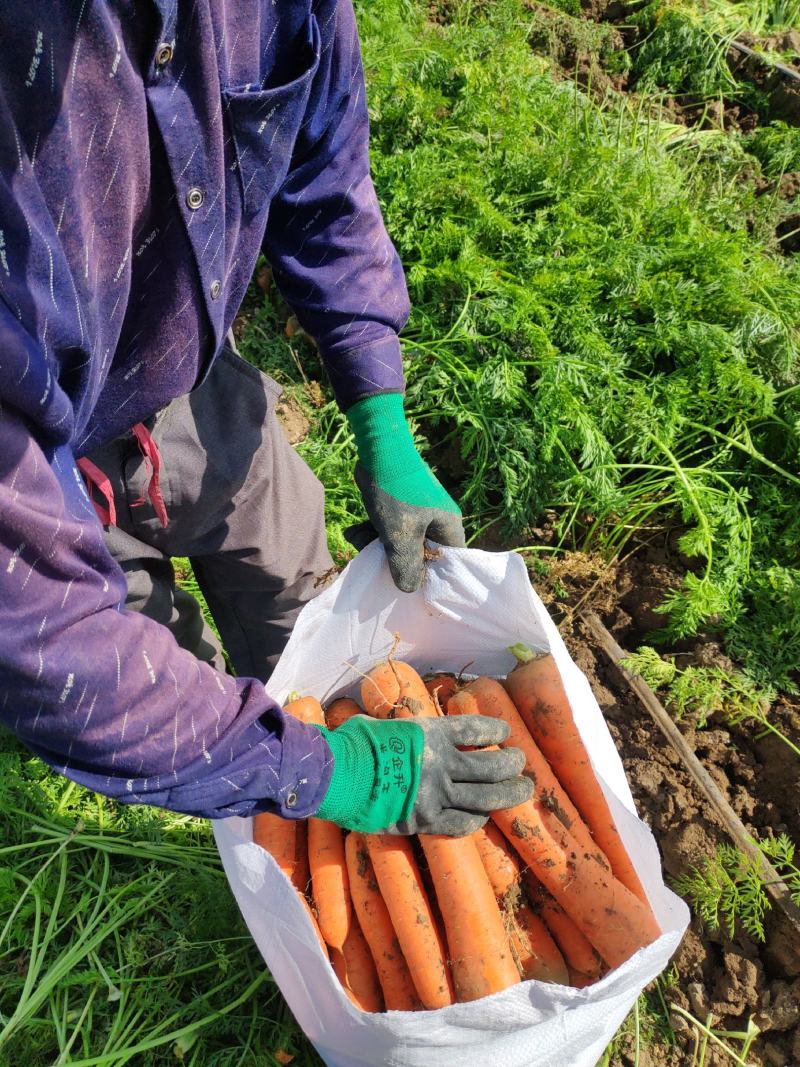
(364, 370)
(299, 794)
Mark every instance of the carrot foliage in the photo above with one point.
(603, 323)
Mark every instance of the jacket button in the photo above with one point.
(291, 800)
(194, 198)
(215, 288)
(164, 54)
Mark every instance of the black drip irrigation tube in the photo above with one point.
(780, 68)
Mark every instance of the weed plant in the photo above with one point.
(727, 889)
(683, 46)
(711, 1040)
(777, 147)
(698, 693)
(680, 52)
(648, 1026)
(760, 17)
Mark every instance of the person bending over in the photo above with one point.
(149, 151)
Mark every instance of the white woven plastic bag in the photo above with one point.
(473, 604)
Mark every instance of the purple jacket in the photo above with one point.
(149, 149)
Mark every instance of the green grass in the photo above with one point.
(604, 326)
(760, 17)
(120, 942)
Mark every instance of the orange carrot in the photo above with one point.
(551, 823)
(575, 947)
(340, 710)
(612, 918)
(478, 946)
(536, 953)
(578, 980)
(330, 885)
(477, 943)
(498, 859)
(536, 688)
(306, 709)
(401, 886)
(486, 696)
(285, 840)
(394, 690)
(441, 687)
(428, 886)
(315, 924)
(278, 836)
(355, 969)
(376, 925)
(302, 875)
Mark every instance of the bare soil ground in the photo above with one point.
(733, 979)
(592, 60)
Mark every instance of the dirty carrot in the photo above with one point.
(479, 950)
(536, 953)
(278, 836)
(575, 947)
(401, 886)
(315, 924)
(441, 687)
(477, 943)
(578, 980)
(499, 861)
(615, 921)
(355, 969)
(486, 696)
(285, 840)
(376, 925)
(330, 886)
(301, 877)
(536, 688)
(394, 690)
(340, 710)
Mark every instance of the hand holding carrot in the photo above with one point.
(410, 777)
(459, 790)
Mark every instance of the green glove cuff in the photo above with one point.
(376, 772)
(387, 452)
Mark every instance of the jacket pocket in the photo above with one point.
(264, 124)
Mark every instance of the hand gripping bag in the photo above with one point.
(471, 607)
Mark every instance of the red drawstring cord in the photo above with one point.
(152, 463)
(96, 479)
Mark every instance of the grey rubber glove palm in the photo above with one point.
(458, 790)
(404, 500)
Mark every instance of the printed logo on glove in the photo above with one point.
(408, 776)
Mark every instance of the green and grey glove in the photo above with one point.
(404, 500)
(409, 776)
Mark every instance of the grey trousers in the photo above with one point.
(243, 507)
